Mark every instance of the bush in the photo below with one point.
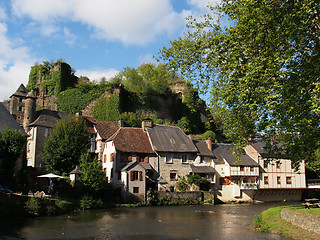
(33, 206)
(88, 202)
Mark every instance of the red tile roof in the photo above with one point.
(106, 129)
(133, 140)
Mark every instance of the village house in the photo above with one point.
(237, 176)
(279, 178)
(175, 153)
(204, 165)
(128, 161)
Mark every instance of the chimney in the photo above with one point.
(145, 124)
(120, 123)
(209, 143)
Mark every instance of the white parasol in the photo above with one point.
(50, 175)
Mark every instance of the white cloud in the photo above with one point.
(3, 14)
(15, 64)
(97, 74)
(147, 59)
(131, 22)
(202, 4)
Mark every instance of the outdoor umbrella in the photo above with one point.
(50, 175)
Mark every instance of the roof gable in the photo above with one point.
(21, 91)
(225, 152)
(133, 140)
(170, 139)
(47, 118)
(106, 129)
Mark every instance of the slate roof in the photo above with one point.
(170, 139)
(21, 91)
(202, 169)
(106, 129)
(203, 148)
(7, 121)
(133, 140)
(260, 146)
(47, 118)
(225, 151)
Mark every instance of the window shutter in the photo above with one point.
(111, 157)
(131, 176)
(140, 175)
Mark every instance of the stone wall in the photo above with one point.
(196, 197)
(309, 222)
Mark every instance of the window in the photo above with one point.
(289, 180)
(184, 158)
(173, 176)
(135, 189)
(224, 181)
(111, 157)
(203, 159)
(265, 163)
(125, 158)
(136, 175)
(278, 164)
(251, 169)
(241, 168)
(278, 180)
(20, 99)
(142, 158)
(47, 132)
(266, 180)
(169, 159)
(20, 109)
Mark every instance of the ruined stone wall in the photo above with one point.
(309, 222)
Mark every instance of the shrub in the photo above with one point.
(33, 206)
(88, 202)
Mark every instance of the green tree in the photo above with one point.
(93, 177)
(68, 139)
(12, 143)
(262, 68)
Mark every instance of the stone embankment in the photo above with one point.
(308, 222)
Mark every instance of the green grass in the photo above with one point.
(270, 220)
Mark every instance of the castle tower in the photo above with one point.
(16, 108)
(29, 110)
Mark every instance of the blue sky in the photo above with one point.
(97, 38)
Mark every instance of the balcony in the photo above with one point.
(249, 186)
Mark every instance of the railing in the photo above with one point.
(313, 183)
(249, 186)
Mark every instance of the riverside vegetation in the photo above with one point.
(270, 220)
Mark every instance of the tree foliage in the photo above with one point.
(262, 68)
(12, 143)
(93, 177)
(68, 139)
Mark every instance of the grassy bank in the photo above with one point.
(270, 220)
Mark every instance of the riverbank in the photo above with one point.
(271, 221)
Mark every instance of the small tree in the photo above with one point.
(93, 177)
(12, 143)
(67, 141)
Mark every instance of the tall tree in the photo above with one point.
(68, 139)
(262, 67)
(12, 143)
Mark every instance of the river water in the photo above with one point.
(227, 221)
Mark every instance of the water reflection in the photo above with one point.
(178, 223)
